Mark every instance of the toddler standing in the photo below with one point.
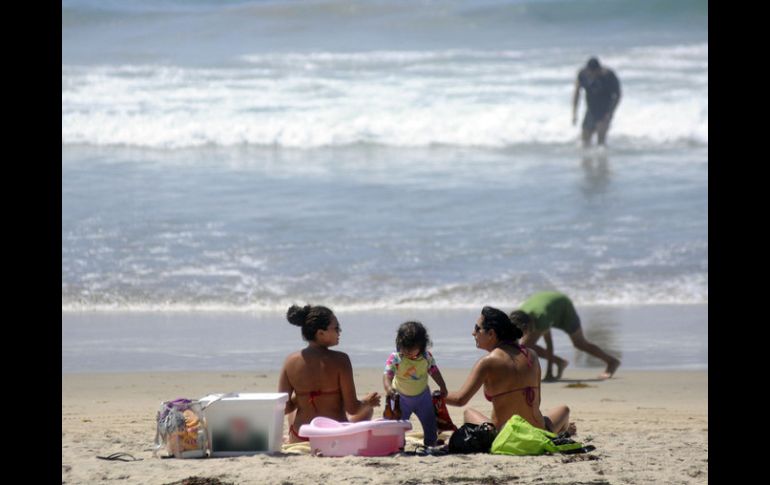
(406, 374)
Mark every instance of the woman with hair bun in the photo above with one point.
(319, 381)
(510, 375)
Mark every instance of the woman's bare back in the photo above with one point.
(315, 376)
(513, 384)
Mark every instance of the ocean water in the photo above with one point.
(643, 337)
(241, 156)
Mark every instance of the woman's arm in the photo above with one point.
(285, 386)
(472, 384)
(348, 388)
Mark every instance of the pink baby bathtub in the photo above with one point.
(366, 438)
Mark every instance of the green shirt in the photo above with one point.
(410, 376)
(550, 309)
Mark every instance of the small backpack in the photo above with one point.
(472, 438)
(518, 437)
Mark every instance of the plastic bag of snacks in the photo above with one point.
(181, 429)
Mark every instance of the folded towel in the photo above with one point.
(301, 448)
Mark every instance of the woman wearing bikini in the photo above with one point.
(510, 375)
(319, 381)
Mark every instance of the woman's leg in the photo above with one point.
(364, 415)
(290, 420)
(559, 417)
(472, 416)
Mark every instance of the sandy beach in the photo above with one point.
(647, 427)
(392, 161)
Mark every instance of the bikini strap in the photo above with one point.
(529, 394)
(521, 348)
(526, 354)
(294, 432)
(313, 394)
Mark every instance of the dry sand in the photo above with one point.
(648, 427)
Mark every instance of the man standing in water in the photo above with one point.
(602, 89)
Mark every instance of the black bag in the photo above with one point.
(472, 438)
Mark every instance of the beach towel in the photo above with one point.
(443, 420)
(518, 437)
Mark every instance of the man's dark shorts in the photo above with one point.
(569, 322)
(590, 121)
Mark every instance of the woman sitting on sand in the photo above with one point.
(321, 379)
(510, 375)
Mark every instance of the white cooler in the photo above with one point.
(244, 423)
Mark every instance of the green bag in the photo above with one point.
(518, 437)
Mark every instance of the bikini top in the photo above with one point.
(529, 391)
(314, 394)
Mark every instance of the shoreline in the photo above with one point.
(668, 337)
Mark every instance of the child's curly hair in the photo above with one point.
(411, 335)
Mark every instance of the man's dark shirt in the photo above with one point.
(599, 90)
